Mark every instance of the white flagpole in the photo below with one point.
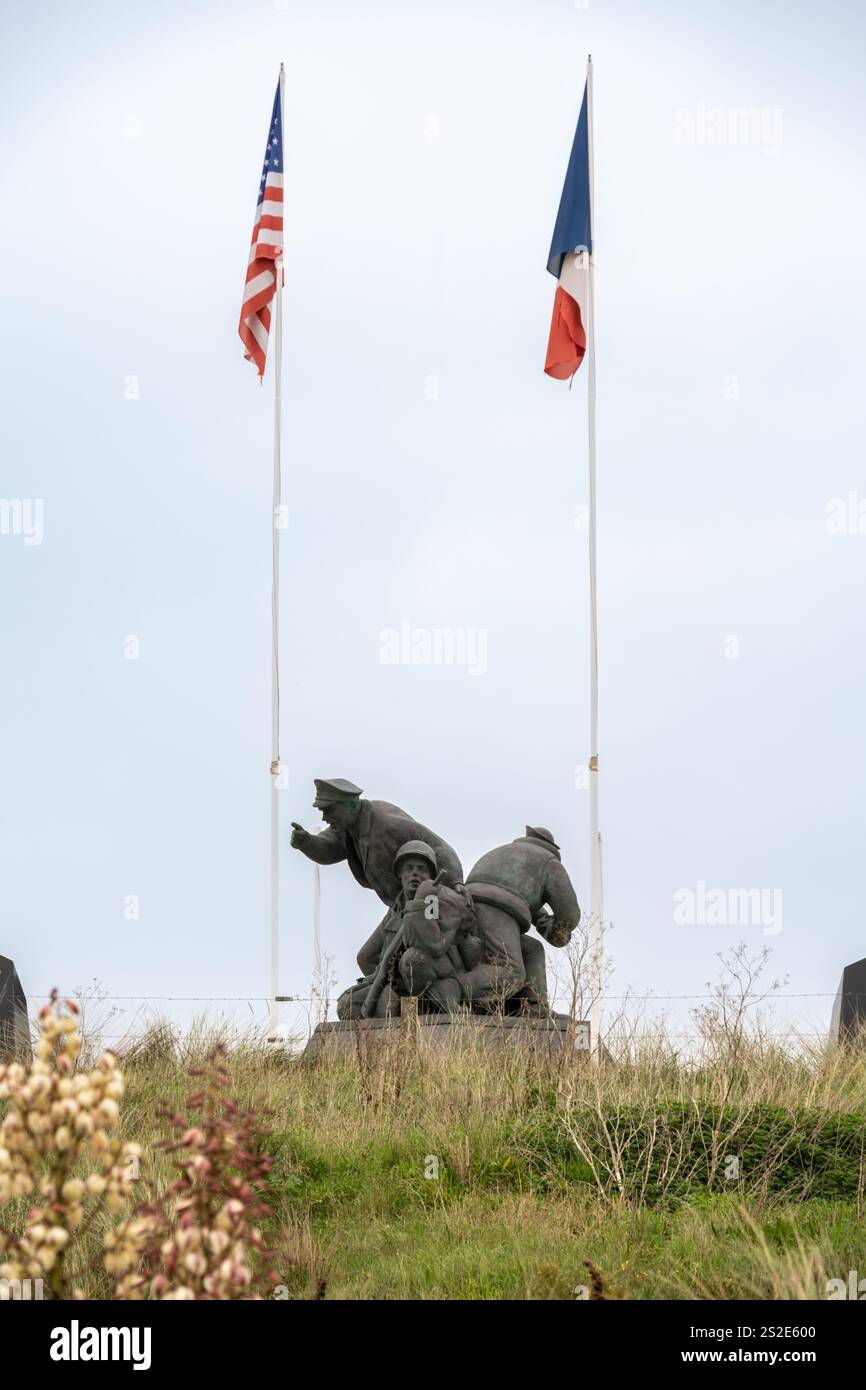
(317, 944)
(275, 621)
(596, 926)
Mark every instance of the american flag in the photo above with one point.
(265, 249)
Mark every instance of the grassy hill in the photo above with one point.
(404, 1173)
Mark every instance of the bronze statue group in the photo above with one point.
(455, 944)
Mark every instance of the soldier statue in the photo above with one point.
(513, 888)
(368, 834)
(414, 863)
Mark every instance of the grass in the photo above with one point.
(408, 1174)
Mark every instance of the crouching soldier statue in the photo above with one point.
(368, 834)
(513, 888)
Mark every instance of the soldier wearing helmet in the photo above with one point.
(414, 863)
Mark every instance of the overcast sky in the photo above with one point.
(433, 473)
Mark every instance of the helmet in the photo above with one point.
(416, 849)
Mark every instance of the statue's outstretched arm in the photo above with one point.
(329, 847)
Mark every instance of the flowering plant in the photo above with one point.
(196, 1239)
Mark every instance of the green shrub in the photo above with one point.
(659, 1154)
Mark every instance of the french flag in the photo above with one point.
(570, 251)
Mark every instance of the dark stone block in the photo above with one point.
(14, 1024)
(849, 1010)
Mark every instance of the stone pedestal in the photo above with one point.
(543, 1036)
